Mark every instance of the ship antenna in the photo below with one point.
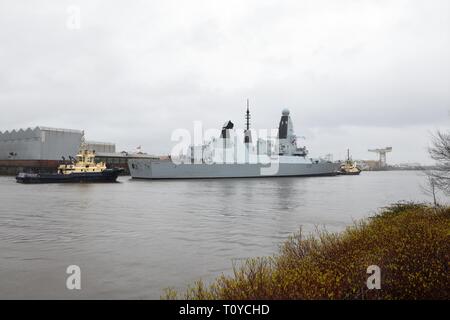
(83, 141)
(247, 117)
(248, 134)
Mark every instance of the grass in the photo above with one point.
(409, 242)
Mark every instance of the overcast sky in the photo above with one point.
(355, 74)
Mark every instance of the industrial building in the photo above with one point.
(101, 147)
(42, 149)
(40, 143)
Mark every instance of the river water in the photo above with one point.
(134, 238)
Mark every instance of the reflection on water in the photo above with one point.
(134, 238)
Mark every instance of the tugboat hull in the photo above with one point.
(345, 173)
(108, 175)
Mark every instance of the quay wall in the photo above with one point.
(13, 167)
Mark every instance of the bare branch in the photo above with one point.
(439, 151)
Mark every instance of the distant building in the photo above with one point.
(40, 143)
(368, 165)
(408, 165)
(101, 147)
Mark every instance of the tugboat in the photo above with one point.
(349, 167)
(84, 169)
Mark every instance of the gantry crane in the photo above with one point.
(382, 153)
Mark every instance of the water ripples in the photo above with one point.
(135, 238)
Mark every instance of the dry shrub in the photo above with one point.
(409, 242)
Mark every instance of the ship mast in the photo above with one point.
(248, 134)
(83, 145)
(247, 116)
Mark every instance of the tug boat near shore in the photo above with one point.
(349, 167)
(83, 170)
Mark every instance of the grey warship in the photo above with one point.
(229, 157)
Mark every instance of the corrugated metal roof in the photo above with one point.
(42, 128)
(59, 130)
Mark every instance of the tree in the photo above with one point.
(430, 188)
(440, 152)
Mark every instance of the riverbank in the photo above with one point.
(410, 243)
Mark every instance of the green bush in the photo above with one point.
(409, 242)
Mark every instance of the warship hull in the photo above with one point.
(166, 169)
(108, 175)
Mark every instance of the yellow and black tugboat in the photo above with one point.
(84, 169)
(349, 167)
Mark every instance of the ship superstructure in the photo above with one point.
(84, 163)
(233, 155)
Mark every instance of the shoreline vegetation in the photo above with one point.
(409, 242)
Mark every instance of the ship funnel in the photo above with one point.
(225, 130)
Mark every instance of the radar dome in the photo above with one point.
(285, 112)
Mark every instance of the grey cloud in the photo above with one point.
(135, 72)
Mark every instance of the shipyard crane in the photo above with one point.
(382, 154)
